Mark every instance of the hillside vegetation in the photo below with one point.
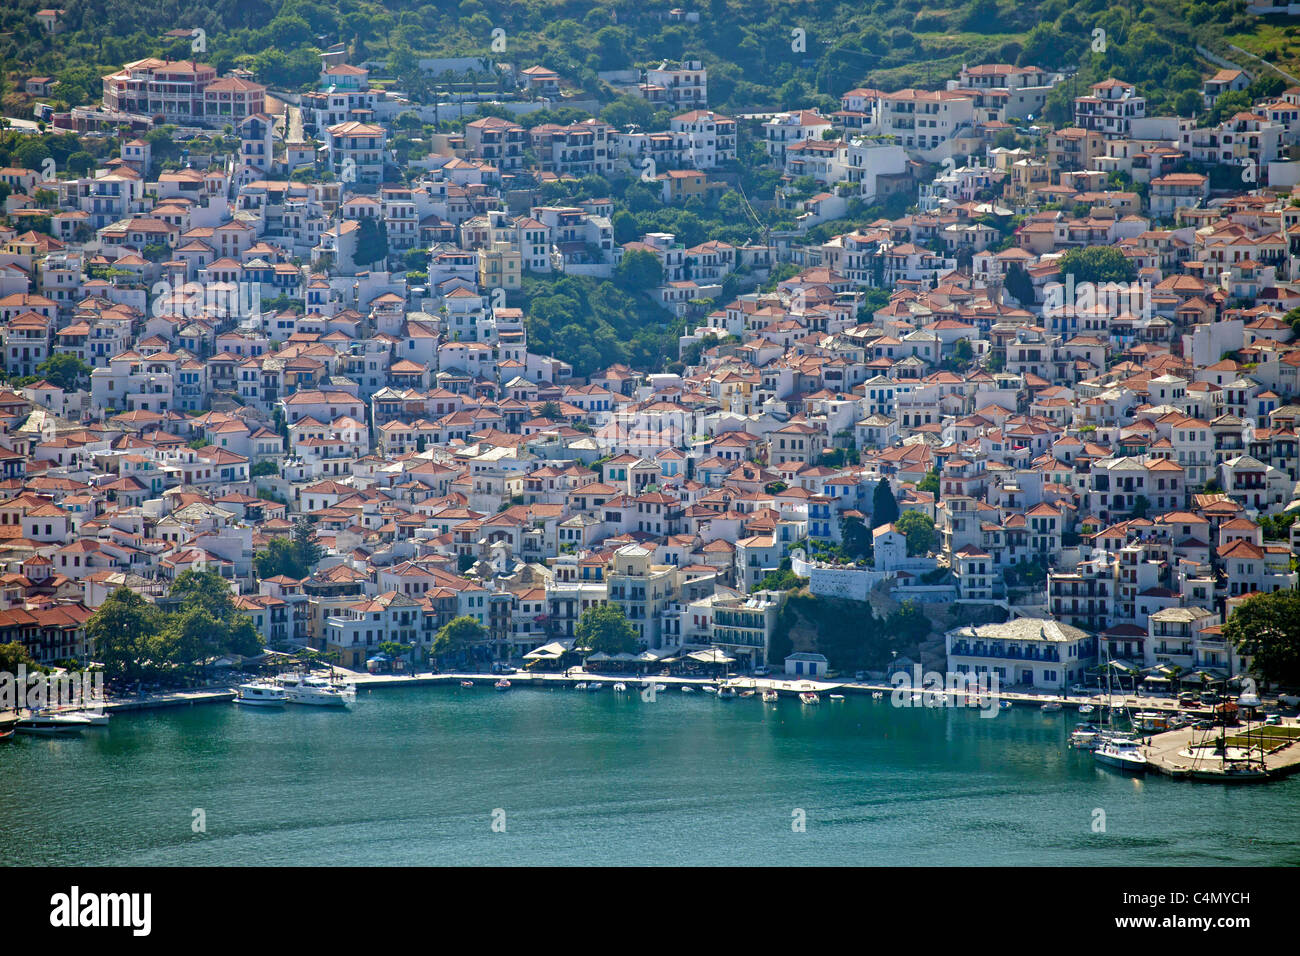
(755, 61)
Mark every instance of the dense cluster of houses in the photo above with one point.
(1097, 461)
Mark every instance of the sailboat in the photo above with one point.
(1110, 749)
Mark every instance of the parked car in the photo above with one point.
(499, 668)
(760, 672)
(1187, 699)
(1273, 720)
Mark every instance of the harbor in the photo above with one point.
(409, 776)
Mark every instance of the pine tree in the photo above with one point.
(884, 508)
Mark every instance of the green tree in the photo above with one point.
(1266, 628)
(918, 527)
(884, 506)
(208, 612)
(304, 544)
(930, 483)
(372, 242)
(639, 270)
(457, 636)
(280, 557)
(122, 634)
(1097, 264)
(605, 627)
(66, 371)
(14, 655)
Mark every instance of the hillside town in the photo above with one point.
(1055, 380)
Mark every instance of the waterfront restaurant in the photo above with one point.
(1025, 652)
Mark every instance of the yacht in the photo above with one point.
(1122, 753)
(49, 723)
(316, 692)
(260, 694)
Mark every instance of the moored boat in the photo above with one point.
(467, 683)
(620, 687)
(709, 689)
(260, 694)
(1051, 707)
(48, 723)
(581, 685)
(837, 696)
(726, 693)
(770, 697)
(502, 684)
(317, 692)
(1086, 708)
(1121, 753)
(809, 697)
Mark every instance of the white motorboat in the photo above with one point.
(770, 697)
(808, 697)
(502, 684)
(877, 694)
(581, 685)
(316, 692)
(688, 689)
(709, 689)
(1086, 708)
(620, 687)
(261, 694)
(726, 693)
(1051, 707)
(837, 696)
(596, 685)
(1122, 753)
(49, 723)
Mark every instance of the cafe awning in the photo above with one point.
(547, 652)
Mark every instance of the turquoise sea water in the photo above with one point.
(413, 776)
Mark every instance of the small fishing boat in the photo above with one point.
(467, 683)
(659, 688)
(1005, 704)
(837, 696)
(808, 697)
(502, 684)
(709, 689)
(747, 693)
(6, 734)
(726, 693)
(1086, 708)
(877, 695)
(595, 685)
(770, 697)
(582, 685)
(688, 689)
(1051, 707)
(620, 687)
